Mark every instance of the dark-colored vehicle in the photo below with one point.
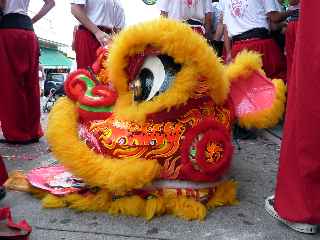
(53, 89)
(54, 82)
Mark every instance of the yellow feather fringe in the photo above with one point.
(226, 194)
(186, 208)
(117, 175)
(51, 201)
(243, 65)
(178, 41)
(155, 207)
(270, 117)
(182, 207)
(130, 206)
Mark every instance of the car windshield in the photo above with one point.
(56, 77)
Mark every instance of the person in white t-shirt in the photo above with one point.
(197, 13)
(247, 23)
(99, 19)
(19, 64)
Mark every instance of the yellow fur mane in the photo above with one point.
(181, 43)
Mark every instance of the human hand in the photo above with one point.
(102, 37)
(208, 36)
(284, 28)
(73, 45)
(228, 57)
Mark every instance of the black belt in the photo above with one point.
(102, 28)
(261, 33)
(16, 21)
(193, 22)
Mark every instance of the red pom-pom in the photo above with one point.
(212, 131)
(102, 96)
(75, 88)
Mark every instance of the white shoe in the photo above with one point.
(299, 227)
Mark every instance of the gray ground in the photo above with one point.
(255, 168)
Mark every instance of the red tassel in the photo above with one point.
(23, 226)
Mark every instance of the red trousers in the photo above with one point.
(86, 46)
(297, 196)
(290, 43)
(3, 172)
(273, 59)
(19, 81)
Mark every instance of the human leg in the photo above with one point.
(297, 196)
(86, 46)
(272, 58)
(20, 97)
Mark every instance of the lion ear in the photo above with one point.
(259, 102)
(243, 65)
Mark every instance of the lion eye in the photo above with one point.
(155, 76)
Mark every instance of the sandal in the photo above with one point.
(299, 227)
(10, 230)
(2, 192)
(27, 142)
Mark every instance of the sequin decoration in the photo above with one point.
(162, 140)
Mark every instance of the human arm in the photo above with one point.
(219, 30)
(47, 6)
(227, 44)
(207, 25)
(275, 12)
(226, 38)
(207, 21)
(276, 16)
(73, 46)
(78, 12)
(2, 4)
(278, 26)
(119, 19)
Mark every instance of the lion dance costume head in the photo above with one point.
(148, 131)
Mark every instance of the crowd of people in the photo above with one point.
(234, 25)
(269, 27)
